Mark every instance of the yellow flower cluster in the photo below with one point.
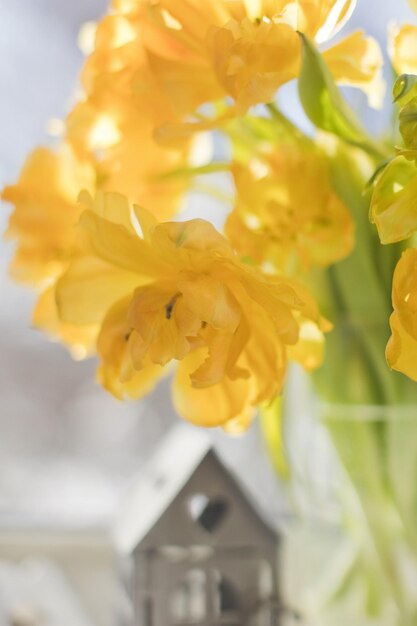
(394, 204)
(42, 223)
(143, 293)
(174, 56)
(178, 293)
(282, 225)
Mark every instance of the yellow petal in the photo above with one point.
(404, 291)
(402, 347)
(278, 298)
(126, 156)
(252, 60)
(138, 385)
(335, 13)
(89, 287)
(116, 372)
(195, 235)
(401, 350)
(280, 224)
(403, 48)
(240, 424)
(214, 406)
(221, 357)
(113, 207)
(357, 61)
(81, 340)
(147, 221)
(211, 302)
(264, 356)
(164, 322)
(36, 266)
(254, 8)
(310, 348)
(46, 212)
(114, 244)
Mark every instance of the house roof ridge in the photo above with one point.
(158, 482)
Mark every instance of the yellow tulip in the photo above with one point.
(393, 203)
(251, 60)
(45, 211)
(403, 48)
(402, 347)
(168, 58)
(43, 226)
(357, 61)
(119, 142)
(113, 123)
(287, 218)
(181, 295)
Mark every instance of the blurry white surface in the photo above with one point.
(36, 593)
(60, 570)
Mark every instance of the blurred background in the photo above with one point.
(67, 449)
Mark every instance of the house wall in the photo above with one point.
(158, 581)
(242, 548)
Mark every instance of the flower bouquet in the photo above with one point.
(182, 99)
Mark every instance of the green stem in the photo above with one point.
(357, 301)
(191, 172)
(360, 298)
(278, 116)
(356, 441)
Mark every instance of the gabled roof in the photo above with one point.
(160, 481)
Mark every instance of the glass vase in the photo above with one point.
(353, 485)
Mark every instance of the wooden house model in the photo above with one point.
(198, 551)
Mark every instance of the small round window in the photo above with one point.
(209, 513)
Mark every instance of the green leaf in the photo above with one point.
(271, 418)
(393, 200)
(381, 167)
(323, 103)
(405, 88)
(408, 123)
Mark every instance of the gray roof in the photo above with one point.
(160, 481)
